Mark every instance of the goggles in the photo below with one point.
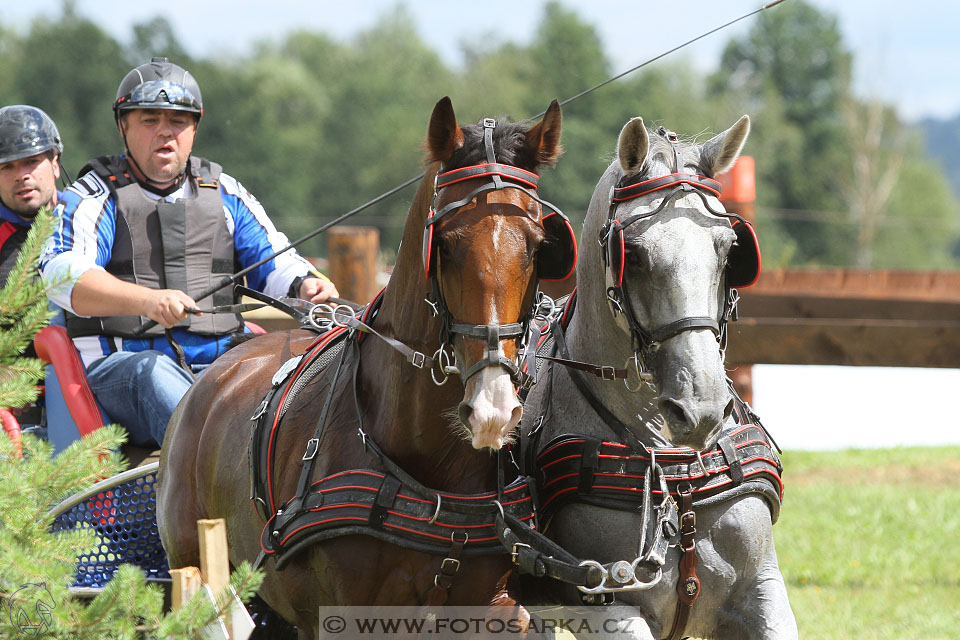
(158, 94)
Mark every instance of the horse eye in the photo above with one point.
(636, 257)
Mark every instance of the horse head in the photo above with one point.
(484, 244)
(671, 254)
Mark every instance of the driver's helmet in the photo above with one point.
(26, 131)
(158, 84)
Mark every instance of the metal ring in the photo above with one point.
(642, 376)
(442, 359)
(436, 512)
(545, 301)
(603, 573)
(640, 584)
(348, 314)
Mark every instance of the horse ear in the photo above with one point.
(721, 151)
(632, 146)
(543, 139)
(443, 134)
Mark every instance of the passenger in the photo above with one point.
(146, 231)
(30, 150)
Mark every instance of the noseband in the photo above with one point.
(612, 243)
(501, 176)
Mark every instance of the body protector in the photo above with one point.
(183, 245)
(12, 237)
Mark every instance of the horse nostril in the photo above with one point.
(728, 410)
(516, 415)
(464, 412)
(672, 412)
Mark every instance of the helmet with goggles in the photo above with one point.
(158, 84)
(26, 131)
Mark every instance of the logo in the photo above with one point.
(30, 608)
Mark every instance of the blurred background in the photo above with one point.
(318, 107)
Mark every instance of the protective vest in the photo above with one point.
(183, 245)
(12, 237)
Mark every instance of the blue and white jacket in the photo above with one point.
(84, 238)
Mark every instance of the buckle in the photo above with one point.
(489, 123)
(455, 563)
(514, 552)
(417, 359)
(312, 445)
(608, 373)
(261, 409)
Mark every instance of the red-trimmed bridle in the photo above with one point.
(613, 243)
(556, 264)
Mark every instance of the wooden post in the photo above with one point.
(353, 253)
(739, 196)
(186, 582)
(214, 559)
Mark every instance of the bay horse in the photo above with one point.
(476, 240)
(651, 468)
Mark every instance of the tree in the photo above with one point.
(36, 565)
(792, 73)
(71, 69)
(877, 157)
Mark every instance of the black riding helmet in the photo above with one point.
(158, 84)
(26, 131)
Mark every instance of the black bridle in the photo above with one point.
(611, 241)
(501, 176)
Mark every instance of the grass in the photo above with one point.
(869, 543)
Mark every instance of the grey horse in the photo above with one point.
(654, 293)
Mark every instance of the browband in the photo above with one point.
(488, 169)
(637, 189)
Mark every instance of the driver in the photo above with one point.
(141, 234)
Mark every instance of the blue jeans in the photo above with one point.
(139, 390)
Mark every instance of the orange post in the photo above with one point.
(739, 195)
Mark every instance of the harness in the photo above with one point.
(388, 504)
(663, 485)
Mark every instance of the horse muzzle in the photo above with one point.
(490, 408)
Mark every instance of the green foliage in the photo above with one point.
(30, 555)
(37, 566)
(71, 69)
(864, 542)
(23, 312)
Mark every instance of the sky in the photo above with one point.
(906, 53)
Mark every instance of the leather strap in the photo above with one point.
(619, 428)
(637, 189)
(602, 372)
(449, 566)
(533, 553)
(688, 586)
(488, 169)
